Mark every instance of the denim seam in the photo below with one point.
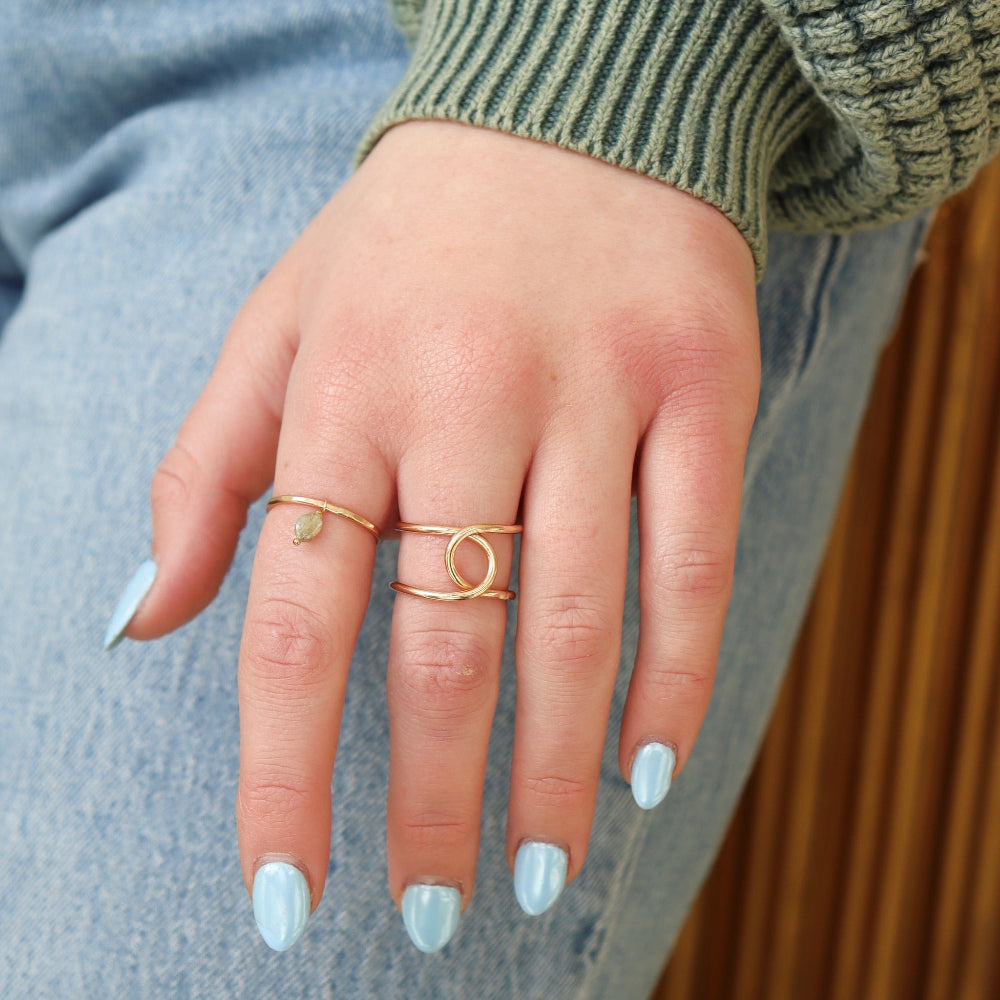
(819, 310)
(816, 304)
(622, 881)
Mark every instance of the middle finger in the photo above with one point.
(444, 666)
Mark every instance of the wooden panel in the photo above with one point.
(864, 860)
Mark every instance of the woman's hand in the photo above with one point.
(477, 329)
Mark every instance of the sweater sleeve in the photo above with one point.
(800, 114)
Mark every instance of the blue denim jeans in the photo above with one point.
(155, 161)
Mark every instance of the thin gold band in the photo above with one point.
(307, 532)
(472, 533)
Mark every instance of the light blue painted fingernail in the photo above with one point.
(539, 875)
(280, 904)
(430, 913)
(135, 590)
(652, 772)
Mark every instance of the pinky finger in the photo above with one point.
(689, 498)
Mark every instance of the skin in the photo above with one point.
(477, 328)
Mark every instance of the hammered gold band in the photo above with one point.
(473, 533)
(308, 526)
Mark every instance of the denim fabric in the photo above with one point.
(155, 160)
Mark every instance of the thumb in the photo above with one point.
(222, 460)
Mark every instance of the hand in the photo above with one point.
(477, 328)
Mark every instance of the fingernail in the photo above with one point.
(135, 590)
(280, 904)
(430, 913)
(539, 875)
(652, 771)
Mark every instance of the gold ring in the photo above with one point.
(309, 525)
(472, 533)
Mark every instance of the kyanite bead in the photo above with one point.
(308, 526)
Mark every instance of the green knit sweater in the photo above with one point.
(798, 114)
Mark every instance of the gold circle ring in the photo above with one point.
(308, 526)
(472, 533)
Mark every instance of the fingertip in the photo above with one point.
(652, 773)
(135, 592)
(431, 914)
(539, 875)
(281, 904)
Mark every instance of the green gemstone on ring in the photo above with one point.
(308, 526)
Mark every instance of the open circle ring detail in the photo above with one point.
(472, 533)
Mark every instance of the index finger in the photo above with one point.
(305, 610)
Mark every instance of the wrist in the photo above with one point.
(703, 97)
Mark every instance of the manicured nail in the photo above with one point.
(652, 771)
(280, 904)
(539, 875)
(136, 589)
(430, 913)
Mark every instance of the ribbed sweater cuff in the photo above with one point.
(701, 94)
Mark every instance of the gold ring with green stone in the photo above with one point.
(310, 524)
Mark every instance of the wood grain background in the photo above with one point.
(864, 860)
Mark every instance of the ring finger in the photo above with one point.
(573, 568)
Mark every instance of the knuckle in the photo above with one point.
(473, 366)
(702, 380)
(181, 482)
(331, 387)
(436, 829)
(678, 687)
(711, 378)
(336, 407)
(289, 641)
(446, 669)
(174, 478)
(260, 799)
(563, 791)
(682, 352)
(576, 628)
(700, 572)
